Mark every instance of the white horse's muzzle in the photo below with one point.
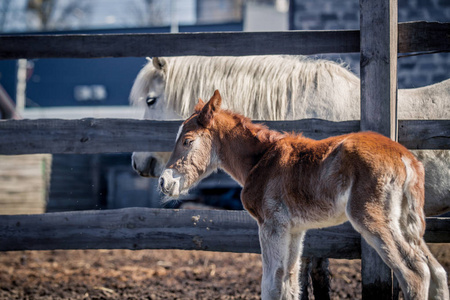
(149, 164)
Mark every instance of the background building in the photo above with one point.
(414, 71)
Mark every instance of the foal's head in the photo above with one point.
(195, 155)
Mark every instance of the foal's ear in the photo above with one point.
(206, 115)
(199, 106)
(215, 101)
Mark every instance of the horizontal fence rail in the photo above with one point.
(423, 37)
(146, 228)
(413, 37)
(178, 44)
(128, 135)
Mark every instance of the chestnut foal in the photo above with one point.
(292, 184)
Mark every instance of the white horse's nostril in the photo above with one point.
(161, 183)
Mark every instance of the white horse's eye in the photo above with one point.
(150, 100)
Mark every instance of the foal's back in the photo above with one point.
(316, 180)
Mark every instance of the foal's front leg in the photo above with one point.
(280, 251)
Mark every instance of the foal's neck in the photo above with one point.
(242, 145)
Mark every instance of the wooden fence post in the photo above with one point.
(378, 29)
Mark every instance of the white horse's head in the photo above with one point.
(148, 91)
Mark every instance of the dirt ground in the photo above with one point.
(153, 274)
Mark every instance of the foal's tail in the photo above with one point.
(413, 220)
(413, 223)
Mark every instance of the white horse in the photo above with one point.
(282, 88)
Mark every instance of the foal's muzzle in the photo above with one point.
(166, 188)
(170, 183)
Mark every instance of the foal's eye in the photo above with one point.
(187, 142)
(150, 100)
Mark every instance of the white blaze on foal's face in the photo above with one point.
(191, 160)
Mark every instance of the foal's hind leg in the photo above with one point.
(438, 285)
(409, 267)
(379, 224)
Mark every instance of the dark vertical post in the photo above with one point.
(379, 66)
(378, 112)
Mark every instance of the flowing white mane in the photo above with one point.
(274, 88)
(260, 87)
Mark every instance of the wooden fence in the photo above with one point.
(413, 37)
(150, 228)
(219, 230)
(122, 135)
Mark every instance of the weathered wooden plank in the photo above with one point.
(145, 228)
(438, 230)
(24, 183)
(18, 186)
(429, 134)
(127, 135)
(85, 135)
(18, 200)
(22, 210)
(175, 44)
(379, 38)
(414, 37)
(119, 135)
(423, 36)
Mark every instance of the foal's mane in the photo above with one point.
(259, 130)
